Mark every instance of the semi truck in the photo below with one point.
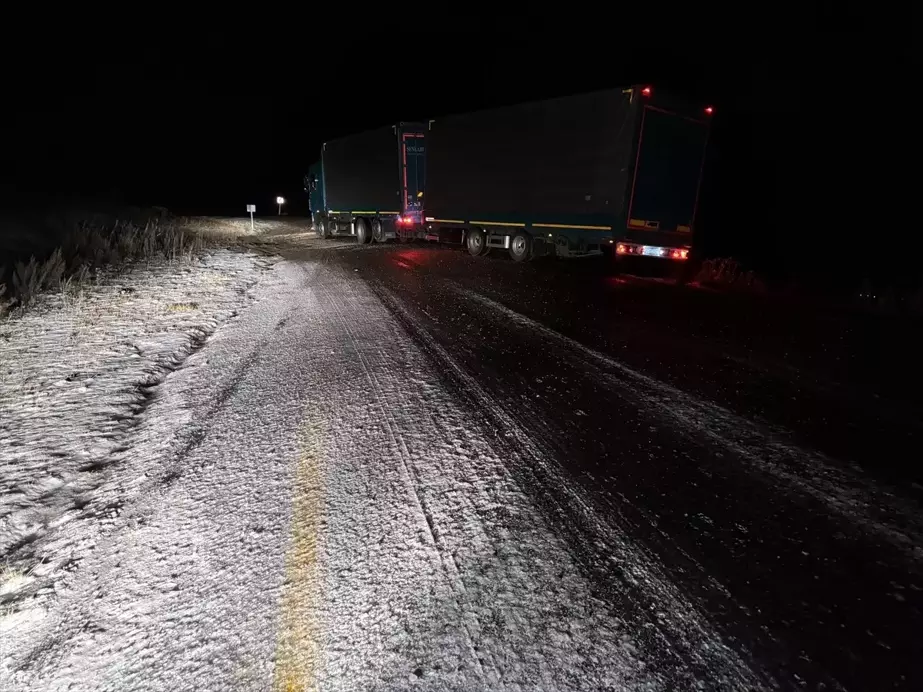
(569, 176)
(370, 185)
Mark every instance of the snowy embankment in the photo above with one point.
(76, 368)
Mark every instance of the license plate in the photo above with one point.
(651, 251)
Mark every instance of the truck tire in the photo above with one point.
(476, 242)
(323, 230)
(521, 246)
(362, 231)
(378, 232)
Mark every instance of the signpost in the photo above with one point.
(251, 208)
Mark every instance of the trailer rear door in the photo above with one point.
(413, 170)
(668, 168)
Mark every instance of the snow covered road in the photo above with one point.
(379, 477)
(328, 517)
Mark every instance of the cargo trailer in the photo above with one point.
(617, 169)
(370, 185)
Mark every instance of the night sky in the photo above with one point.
(811, 140)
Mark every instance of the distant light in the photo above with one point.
(646, 91)
(709, 110)
(280, 200)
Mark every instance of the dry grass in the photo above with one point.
(727, 272)
(182, 307)
(5, 303)
(89, 247)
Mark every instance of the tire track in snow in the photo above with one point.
(844, 489)
(679, 648)
(490, 676)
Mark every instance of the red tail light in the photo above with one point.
(709, 110)
(646, 91)
(621, 249)
(679, 254)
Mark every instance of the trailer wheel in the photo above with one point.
(362, 231)
(521, 246)
(476, 241)
(378, 233)
(323, 231)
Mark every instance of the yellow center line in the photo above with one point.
(298, 647)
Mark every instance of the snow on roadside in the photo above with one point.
(74, 371)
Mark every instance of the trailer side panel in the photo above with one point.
(562, 160)
(361, 172)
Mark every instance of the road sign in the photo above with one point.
(251, 208)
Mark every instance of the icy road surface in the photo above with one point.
(381, 477)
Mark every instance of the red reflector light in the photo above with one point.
(646, 91)
(709, 110)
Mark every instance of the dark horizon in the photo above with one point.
(797, 140)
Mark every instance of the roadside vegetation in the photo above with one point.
(96, 243)
(728, 274)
